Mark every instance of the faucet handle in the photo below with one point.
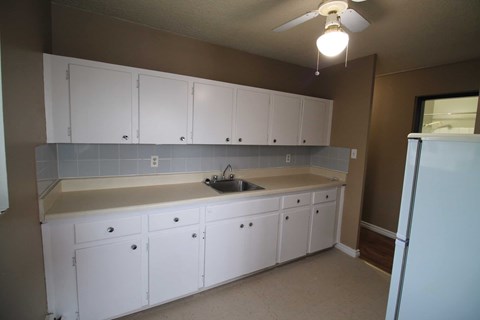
(214, 178)
(232, 176)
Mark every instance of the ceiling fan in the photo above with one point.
(334, 40)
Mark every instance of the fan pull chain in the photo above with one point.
(318, 57)
(346, 56)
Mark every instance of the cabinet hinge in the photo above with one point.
(148, 247)
(147, 294)
(69, 131)
(138, 83)
(74, 261)
(138, 134)
(67, 74)
(193, 90)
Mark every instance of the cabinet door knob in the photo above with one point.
(182, 138)
(125, 137)
(227, 139)
(241, 226)
(110, 229)
(326, 196)
(134, 247)
(317, 212)
(239, 139)
(304, 141)
(176, 219)
(250, 224)
(286, 218)
(274, 140)
(194, 235)
(298, 200)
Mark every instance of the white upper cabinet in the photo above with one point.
(285, 120)
(251, 117)
(316, 122)
(101, 105)
(212, 113)
(163, 110)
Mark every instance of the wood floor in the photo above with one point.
(377, 249)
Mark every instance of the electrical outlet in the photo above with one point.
(154, 161)
(288, 158)
(353, 154)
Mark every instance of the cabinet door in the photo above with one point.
(226, 250)
(173, 263)
(100, 105)
(212, 114)
(294, 233)
(322, 232)
(163, 108)
(285, 120)
(316, 122)
(262, 241)
(251, 117)
(109, 279)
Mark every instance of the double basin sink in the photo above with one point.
(233, 185)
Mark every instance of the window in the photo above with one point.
(446, 114)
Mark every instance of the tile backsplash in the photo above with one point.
(56, 161)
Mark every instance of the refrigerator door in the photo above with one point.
(401, 244)
(442, 268)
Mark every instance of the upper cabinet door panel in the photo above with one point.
(163, 108)
(285, 120)
(100, 105)
(212, 114)
(316, 121)
(251, 117)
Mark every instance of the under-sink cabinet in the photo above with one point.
(105, 265)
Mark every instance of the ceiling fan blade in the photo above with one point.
(295, 22)
(353, 21)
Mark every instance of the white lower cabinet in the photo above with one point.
(293, 233)
(235, 247)
(103, 268)
(173, 263)
(109, 279)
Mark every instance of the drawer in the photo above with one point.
(101, 230)
(325, 195)
(172, 219)
(242, 208)
(297, 200)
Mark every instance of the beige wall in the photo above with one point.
(392, 118)
(352, 90)
(89, 36)
(25, 34)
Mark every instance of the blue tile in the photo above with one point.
(145, 151)
(88, 168)
(164, 151)
(109, 151)
(109, 167)
(145, 168)
(164, 166)
(87, 151)
(67, 169)
(179, 165)
(66, 152)
(128, 152)
(128, 167)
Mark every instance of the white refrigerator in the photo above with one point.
(436, 268)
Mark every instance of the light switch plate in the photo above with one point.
(353, 154)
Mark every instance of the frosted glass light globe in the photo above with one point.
(333, 42)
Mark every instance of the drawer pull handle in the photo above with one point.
(110, 229)
(134, 247)
(176, 219)
(304, 141)
(250, 224)
(194, 235)
(227, 139)
(239, 139)
(241, 226)
(286, 218)
(125, 137)
(317, 212)
(298, 200)
(326, 196)
(274, 140)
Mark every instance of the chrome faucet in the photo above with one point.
(231, 174)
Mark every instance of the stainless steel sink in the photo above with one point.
(234, 185)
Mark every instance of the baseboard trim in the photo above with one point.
(354, 253)
(374, 228)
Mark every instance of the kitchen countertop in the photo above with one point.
(104, 201)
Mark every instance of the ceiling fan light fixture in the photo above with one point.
(333, 41)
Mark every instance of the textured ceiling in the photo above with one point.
(405, 34)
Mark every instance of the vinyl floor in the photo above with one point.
(329, 285)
